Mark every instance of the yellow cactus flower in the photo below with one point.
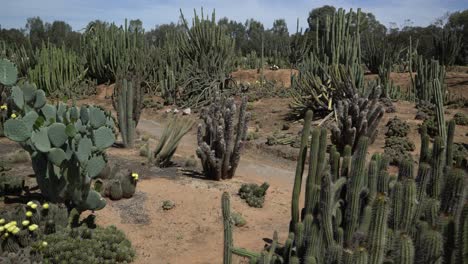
(4, 107)
(11, 228)
(25, 223)
(29, 203)
(44, 243)
(33, 206)
(33, 227)
(2, 228)
(13, 115)
(135, 176)
(45, 206)
(29, 213)
(15, 231)
(5, 235)
(2, 221)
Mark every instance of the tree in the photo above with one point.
(236, 30)
(36, 30)
(57, 32)
(255, 32)
(135, 26)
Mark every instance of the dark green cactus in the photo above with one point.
(220, 138)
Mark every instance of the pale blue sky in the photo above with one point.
(79, 12)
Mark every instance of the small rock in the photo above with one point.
(176, 111)
(187, 111)
(168, 111)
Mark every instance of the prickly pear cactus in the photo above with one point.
(8, 77)
(67, 145)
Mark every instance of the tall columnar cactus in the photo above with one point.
(428, 72)
(447, 45)
(67, 145)
(356, 117)
(128, 102)
(220, 138)
(170, 139)
(361, 214)
(59, 72)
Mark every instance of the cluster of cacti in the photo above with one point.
(87, 245)
(116, 183)
(47, 233)
(8, 77)
(447, 45)
(220, 138)
(358, 213)
(67, 145)
(253, 194)
(461, 119)
(207, 50)
(110, 50)
(173, 133)
(397, 145)
(377, 54)
(10, 184)
(23, 228)
(357, 117)
(428, 73)
(59, 72)
(127, 100)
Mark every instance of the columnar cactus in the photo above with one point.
(364, 215)
(356, 117)
(220, 139)
(67, 145)
(128, 102)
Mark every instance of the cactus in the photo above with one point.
(361, 214)
(356, 117)
(127, 101)
(220, 139)
(67, 145)
(426, 74)
(59, 72)
(120, 183)
(173, 133)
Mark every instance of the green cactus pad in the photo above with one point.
(95, 166)
(74, 113)
(18, 97)
(8, 72)
(57, 156)
(84, 115)
(29, 92)
(61, 111)
(30, 119)
(49, 112)
(17, 130)
(97, 117)
(84, 149)
(41, 140)
(104, 137)
(70, 131)
(94, 201)
(57, 135)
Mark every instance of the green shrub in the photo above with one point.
(461, 119)
(253, 194)
(397, 128)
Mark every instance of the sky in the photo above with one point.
(78, 13)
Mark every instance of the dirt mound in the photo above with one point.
(282, 76)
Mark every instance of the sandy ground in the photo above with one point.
(192, 232)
